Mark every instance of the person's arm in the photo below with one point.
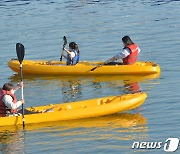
(111, 60)
(123, 54)
(8, 101)
(19, 85)
(71, 53)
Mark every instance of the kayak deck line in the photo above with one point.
(69, 106)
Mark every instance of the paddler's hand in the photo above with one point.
(21, 84)
(100, 64)
(22, 101)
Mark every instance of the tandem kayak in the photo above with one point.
(77, 110)
(83, 68)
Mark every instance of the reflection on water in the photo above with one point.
(85, 80)
(124, 126)
(94, 78)
(119, 120)
(132, 87)
(12, 141)
(73, 88)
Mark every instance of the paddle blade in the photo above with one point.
(65, 40)
(20, 52)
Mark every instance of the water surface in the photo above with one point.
(97, 26)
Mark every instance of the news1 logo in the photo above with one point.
(170, 145)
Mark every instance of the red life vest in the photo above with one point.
(131, 59)
(3, 108)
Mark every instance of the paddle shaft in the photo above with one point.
(62, 53)
(95, 67)
(100, 65)
(22, 95)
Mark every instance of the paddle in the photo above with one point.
(100, 65)
(104, 63)
(65, 42)
(20, 54)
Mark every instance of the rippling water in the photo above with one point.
(97, 26)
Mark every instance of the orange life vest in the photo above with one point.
(3, 107)
(131, 59)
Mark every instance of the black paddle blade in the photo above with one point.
(65, 40)
(20, 52)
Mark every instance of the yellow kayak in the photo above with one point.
(83, 68)
(77, 110)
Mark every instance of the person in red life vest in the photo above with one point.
(8, 102)
(129, 54)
